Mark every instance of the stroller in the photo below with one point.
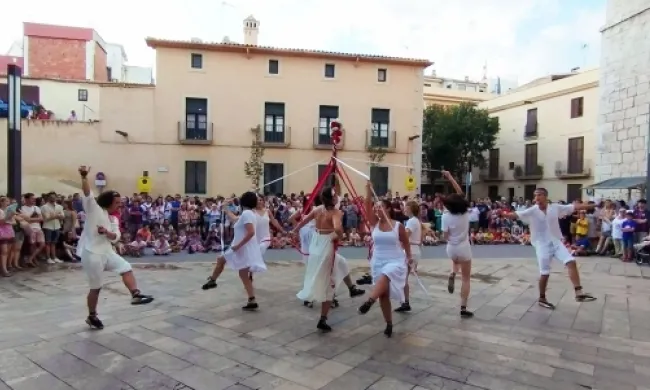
(642, 256)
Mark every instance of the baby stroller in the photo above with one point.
(642, 256)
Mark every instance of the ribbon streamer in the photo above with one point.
(290, 174)
(391, 165)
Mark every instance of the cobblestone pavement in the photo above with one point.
(191, 339)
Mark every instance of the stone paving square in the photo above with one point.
(194, 339)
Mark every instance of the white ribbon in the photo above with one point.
(391, 165)
(290, 174)
(223, 247)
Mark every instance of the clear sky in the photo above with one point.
(519, 39)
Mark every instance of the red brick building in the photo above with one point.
(62, 52)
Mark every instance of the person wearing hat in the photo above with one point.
(628, 226)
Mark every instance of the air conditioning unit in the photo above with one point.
(196, 40)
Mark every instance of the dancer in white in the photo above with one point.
(96, 250)
(390, 252)
(415, 233)
(244, 255)
(455, 227)
(306, 231)
(546, 238)
(325, 271)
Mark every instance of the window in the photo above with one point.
(530, 158)
(576, 158)
(274, 171)
(321, 172)
(427, 84)
(197, 61)
(274, 122)
(493, 163)
(196, 176)
(381, 75)
(109, 73)
(380, 127)
(82, 95)
(329, 71)
(462, 87)
(573, 192)
(577, 107)
(493, 192)
(326, 115)
(511, 165)
(531, 123)
(379, 179)
(274, 67)
(529, 191)
(196, 118)
(511, 193)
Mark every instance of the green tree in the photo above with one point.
(376, 154)
(456, 137)
(254, 167)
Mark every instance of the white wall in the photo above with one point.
(115, 59)
(63, 97)
(138, 75)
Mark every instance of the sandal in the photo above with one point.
(584, 297)
(545, 304)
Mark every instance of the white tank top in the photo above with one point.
(386, 245)
(415, 227)
(262, 226)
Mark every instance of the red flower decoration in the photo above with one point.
(336, 132)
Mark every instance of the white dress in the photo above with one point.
(263, 230)
(306, 233)
(457, 226)
(388, 258)
(249, 255)
(415, 239)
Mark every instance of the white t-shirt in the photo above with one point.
(90, 239)
(28, 212)
(545, 227)
(415, 227)
(617, 228)
(52, 210)
(474, 214)
(457, 226)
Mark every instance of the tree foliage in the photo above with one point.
(254, 167)
(456, 137)
(376, 154)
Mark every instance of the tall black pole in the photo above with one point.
(647, 172)
(14, 136)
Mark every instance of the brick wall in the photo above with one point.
(101, 62)
(624, 92)
(57, 58)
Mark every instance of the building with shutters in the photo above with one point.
(547, 138)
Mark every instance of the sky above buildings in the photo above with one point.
(519, 40)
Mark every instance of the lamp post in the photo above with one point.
(14, 137)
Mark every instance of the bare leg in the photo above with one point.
(218, 269)
(354, 290)
(381, 288)
(405, 306)
(247, 280)
(129, 281)
(451, 281)
(91, 300)
(574, 276)
(17, 247)
(4, 253)
(465, 273)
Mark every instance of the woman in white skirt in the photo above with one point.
(244, 254)
(307, 230)
(455, 227)
(388, 264)
(414, 231)
(263, 227)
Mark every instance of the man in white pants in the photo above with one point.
(96, 250)
(546, 238)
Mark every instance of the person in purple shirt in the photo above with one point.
(135, 217)
(641, 216)
(629, 227)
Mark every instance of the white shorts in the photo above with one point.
(416, 254)
(545, 252)
(95, 264)
(461, 252)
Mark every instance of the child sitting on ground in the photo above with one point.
(161, 247)
(278, 242)
(355, 238)
(525, 238)
(174, 242)
(212, 242)
(136, 248)
(193, 243)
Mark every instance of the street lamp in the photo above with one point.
(14, 141)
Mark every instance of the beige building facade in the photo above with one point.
(547, 139)
(191, 133)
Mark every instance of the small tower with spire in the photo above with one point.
(251, 30)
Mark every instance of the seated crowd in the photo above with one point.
(47, 227)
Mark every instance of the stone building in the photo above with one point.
(623, 126)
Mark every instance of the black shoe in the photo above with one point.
(389, 330)
(363, 309)
(308, 304)
(365, 279)
(464, 313)
(141, 299)
(355, 291)
(405, 307)
(211, 283)
(251, 306)
(323, 327)
(335, 303)
(94, 323)
(451, 282)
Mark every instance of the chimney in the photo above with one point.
(251, 30)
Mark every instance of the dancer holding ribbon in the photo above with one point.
(388, 264)
(244, 254)
(414, 231)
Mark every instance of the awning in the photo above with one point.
(621, 183)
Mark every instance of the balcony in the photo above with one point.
(530, 130)
(322, 139)
(573, 170)
(528, 172)
(491, 174)
(195, 136)
(386, 141)
(276, 136)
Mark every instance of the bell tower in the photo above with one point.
(251, 30)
